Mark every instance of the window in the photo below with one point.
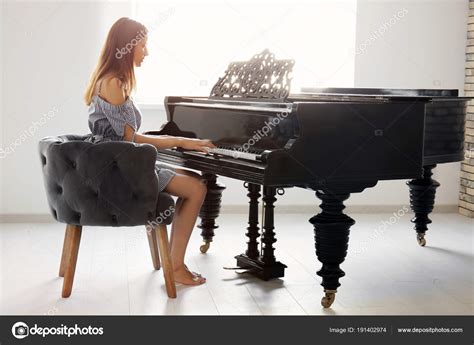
(191, 43)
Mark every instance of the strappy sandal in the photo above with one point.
(193, 273)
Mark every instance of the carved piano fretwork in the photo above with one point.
(261, 77)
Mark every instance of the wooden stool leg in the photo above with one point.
(152, 241)
(73, 236)
(66, 250)
(166, 260)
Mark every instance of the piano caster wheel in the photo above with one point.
(329, 298)
(421, 239)
(203, 248)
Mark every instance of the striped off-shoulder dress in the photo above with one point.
(107, 122)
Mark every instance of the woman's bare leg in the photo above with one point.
(180, 200)
(191, 193)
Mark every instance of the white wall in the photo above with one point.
(49, 51)
(50, 48)
(1, 99)
(423, 49)
(181, 65)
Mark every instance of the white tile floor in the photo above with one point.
(386, 271)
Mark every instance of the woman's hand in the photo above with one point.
(196, 144)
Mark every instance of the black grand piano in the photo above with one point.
(335, 141)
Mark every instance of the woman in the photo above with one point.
(114, 116)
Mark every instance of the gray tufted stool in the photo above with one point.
(105, 184)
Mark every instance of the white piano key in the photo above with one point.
(235, 154)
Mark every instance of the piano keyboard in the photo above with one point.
(236, 154)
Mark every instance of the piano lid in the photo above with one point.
(379, 93)
(249, 104)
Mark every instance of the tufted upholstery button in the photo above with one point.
(73, 164)
(77, 217)
(114, 218)
(150, 215)
(134, 196)
(59, 189)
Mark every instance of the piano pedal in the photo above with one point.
(240, 270)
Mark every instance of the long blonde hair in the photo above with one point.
(116, 57)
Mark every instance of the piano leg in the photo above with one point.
(268, 236)
(331, 234)
(210, 210)
(253, 230)
(264, 266)
(422, 198)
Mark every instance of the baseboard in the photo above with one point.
(243, 209)
(26, 218)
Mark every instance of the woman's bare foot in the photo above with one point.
(184, 276)
(194, 273)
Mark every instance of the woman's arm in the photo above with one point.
(167, 142)
(162, 141)
(113, 93)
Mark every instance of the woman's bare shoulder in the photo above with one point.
(111, 90)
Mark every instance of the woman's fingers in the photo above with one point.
(206, 147)
(208, 143)
(199, 145)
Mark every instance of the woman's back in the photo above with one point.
(110, 111)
